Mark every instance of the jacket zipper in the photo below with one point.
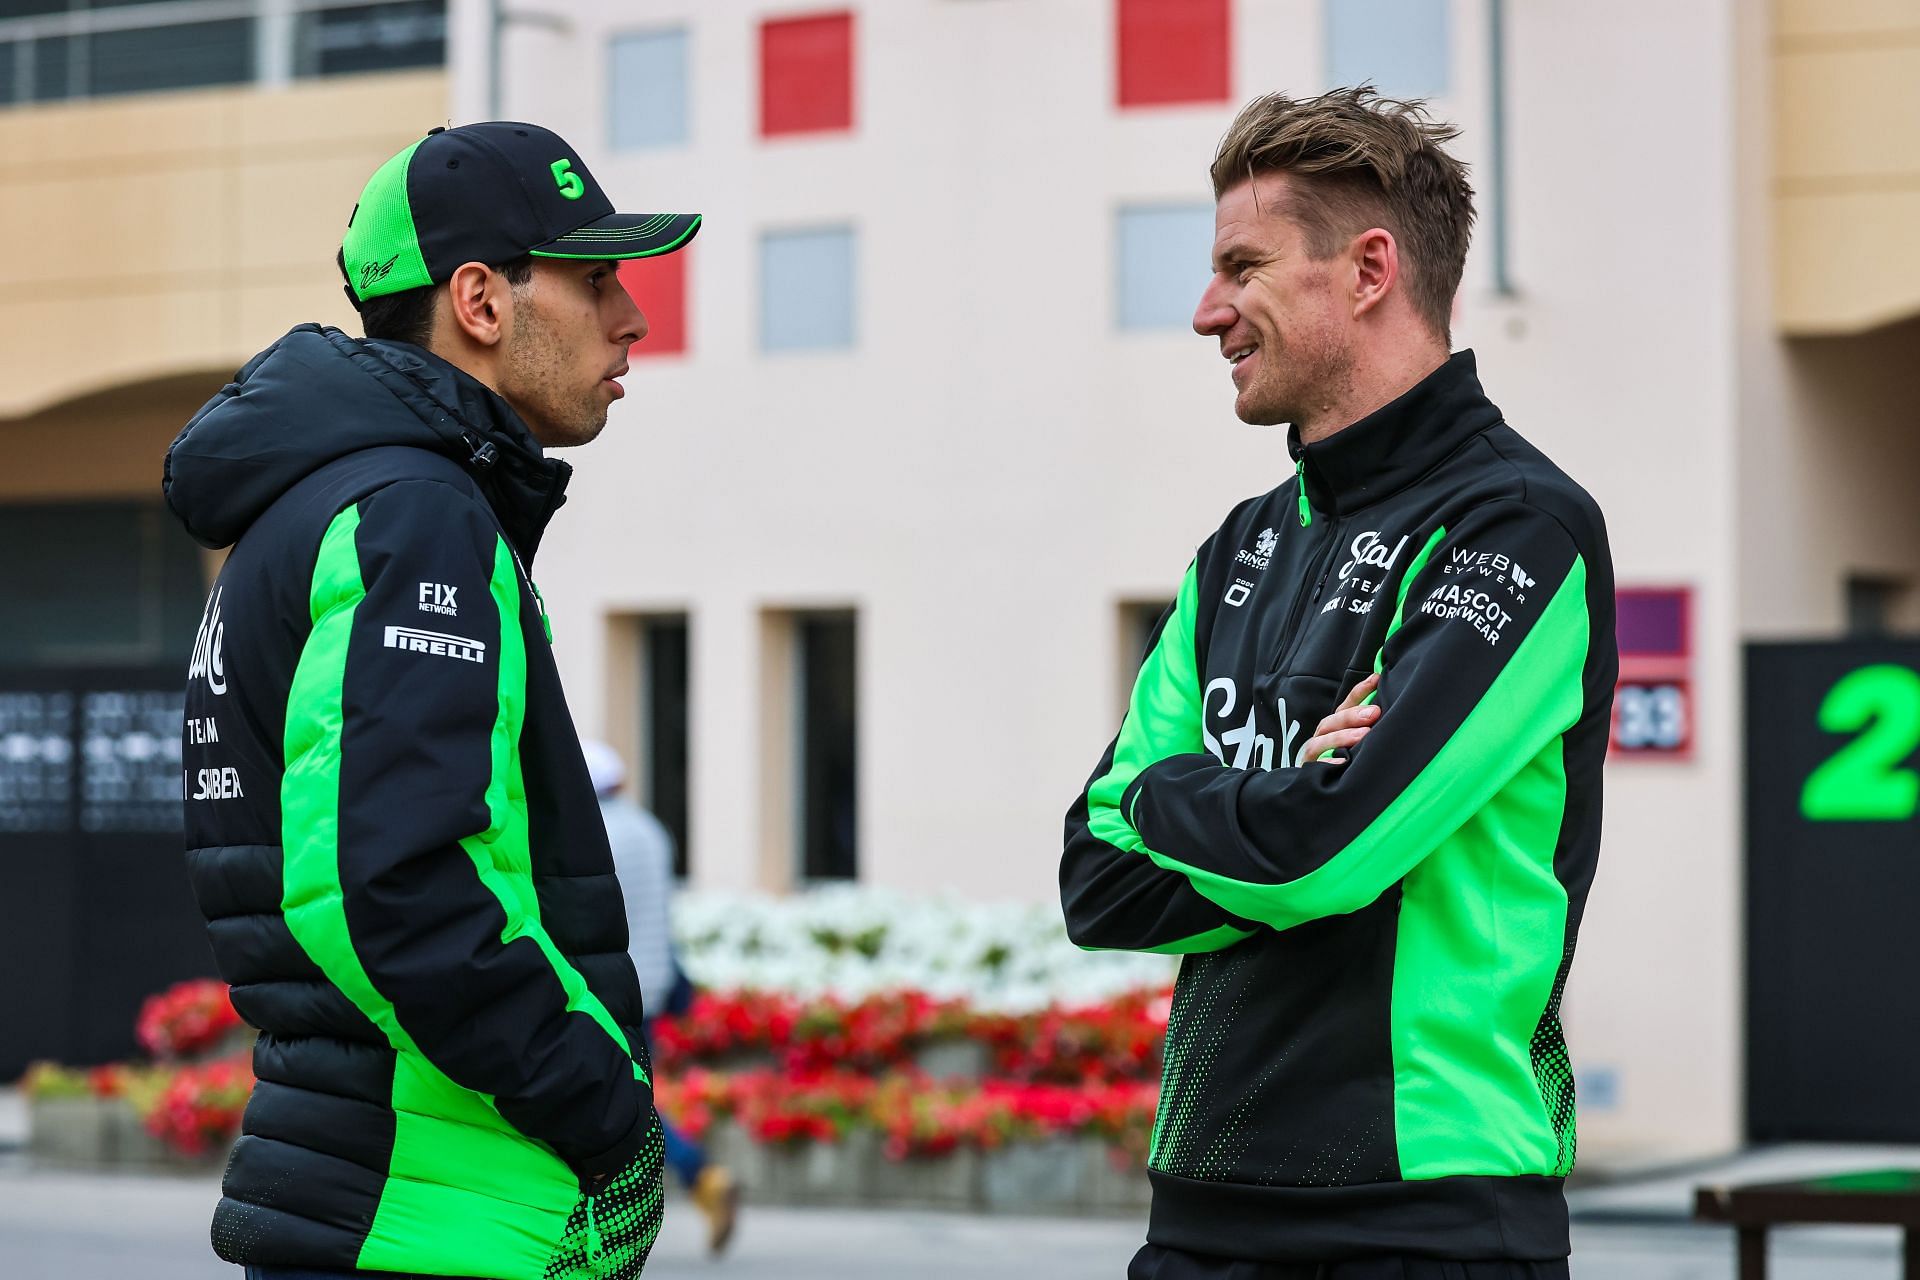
(1322, 568)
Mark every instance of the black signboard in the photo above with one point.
(91, 869)
(1833, 890)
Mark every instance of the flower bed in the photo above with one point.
(1116, 1040)
(852, 942)
(184, 1108)
(844, 1137)
(887, 1050)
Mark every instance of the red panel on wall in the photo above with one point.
(659, 287)
(806, 74)
(1653, 710)
(1174, 51)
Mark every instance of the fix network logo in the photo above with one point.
(438, 597)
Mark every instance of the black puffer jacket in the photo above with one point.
(393, 836)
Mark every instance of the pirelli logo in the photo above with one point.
(437, 643)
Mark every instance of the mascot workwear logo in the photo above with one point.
(1262, 554)
(437, 643)
(208, 660)
(1368, 549)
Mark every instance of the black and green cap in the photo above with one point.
(489, 193)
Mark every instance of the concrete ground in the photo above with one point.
(78, 1226)
(66, 1225)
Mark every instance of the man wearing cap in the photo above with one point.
(390, 826)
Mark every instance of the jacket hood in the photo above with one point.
(317, 395)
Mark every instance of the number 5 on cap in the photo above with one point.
(567, 180)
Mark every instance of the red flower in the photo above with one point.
(185, 1019)
(199, 1109)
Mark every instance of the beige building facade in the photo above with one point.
(923, 543)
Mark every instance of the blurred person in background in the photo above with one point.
(643, 859)
(1365, 1075)
(391, 828)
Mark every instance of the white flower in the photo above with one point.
(850, 941)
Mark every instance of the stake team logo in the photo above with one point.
(209, 662)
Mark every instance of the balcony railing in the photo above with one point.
(69, 50)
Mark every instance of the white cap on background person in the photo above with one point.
(604, 766)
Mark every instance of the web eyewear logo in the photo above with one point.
(373, 272)
(439, 644)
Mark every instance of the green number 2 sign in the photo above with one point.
(1867, 780)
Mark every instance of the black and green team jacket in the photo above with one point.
(1364, 1053)
(394, 839)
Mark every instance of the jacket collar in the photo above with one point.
(1397, 443)
(522, 485)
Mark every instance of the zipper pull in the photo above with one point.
(484, 455)
(1300, 474)
(593, 1234)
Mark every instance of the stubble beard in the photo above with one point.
(1300, 378)
(537, 378)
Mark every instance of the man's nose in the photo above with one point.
(1215, 314)
(632, 322)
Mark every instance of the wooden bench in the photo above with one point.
(1884, 1197)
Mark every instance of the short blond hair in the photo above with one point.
(1360, 160)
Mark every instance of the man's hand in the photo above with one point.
(1349, 723)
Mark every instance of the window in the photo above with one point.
(663, 728)
(111, 582)
(647, 90)
(1139, 619)
(1162, 264)
(659, 288)
(806, 290)
(1399, 46)
(806, 74)
(175, 57)
(54, 77)
(375, 37)
(1872, 601)
(1173, 51)
(53, 51)
(826, 808)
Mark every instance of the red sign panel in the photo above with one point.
(1653, 701)
(658, 287)
(1174, 51)
(806, 74)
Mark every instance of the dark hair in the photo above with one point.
(1360, 160)
(407, 316)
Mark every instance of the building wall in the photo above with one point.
(1846, 185)
(994, 468)
(1617, 358)
(180, 232)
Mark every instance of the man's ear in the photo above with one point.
(1375, 260)
(480, 303)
